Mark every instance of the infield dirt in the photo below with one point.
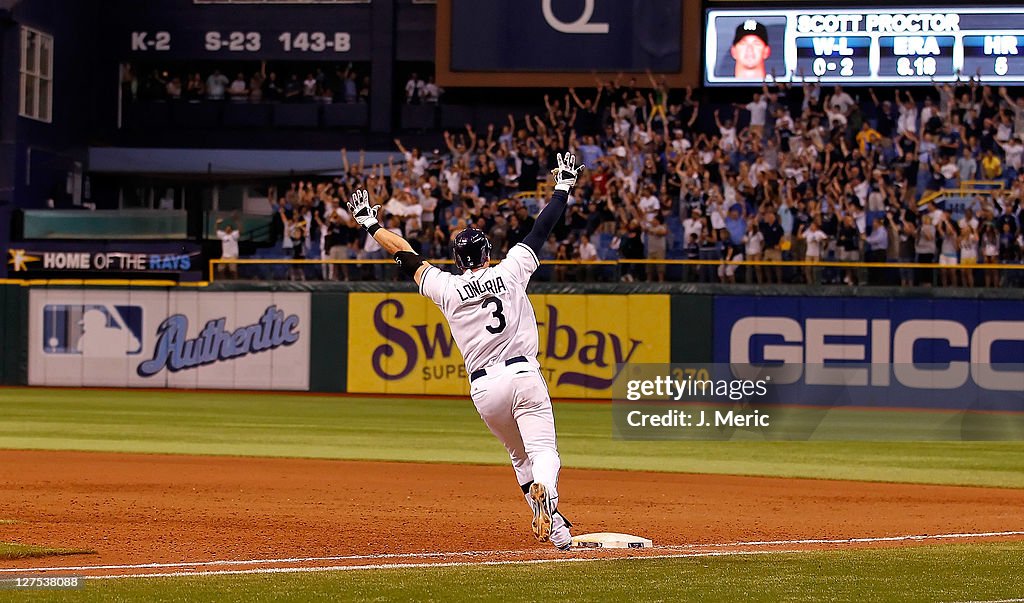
(139, 509)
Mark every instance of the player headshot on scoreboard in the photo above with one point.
(745, 47)
(750, 49)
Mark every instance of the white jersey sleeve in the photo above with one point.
(520, 263)
(434, 284)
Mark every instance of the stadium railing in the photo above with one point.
(284, 269)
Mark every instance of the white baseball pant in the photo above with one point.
(513, 401)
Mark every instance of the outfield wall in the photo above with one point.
(375, 338)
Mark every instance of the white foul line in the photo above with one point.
(847, 540)
(381, 556)
(379, 566)
(280, 560)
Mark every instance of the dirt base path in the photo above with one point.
(180, 510)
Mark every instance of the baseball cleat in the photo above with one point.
(561, 537)
(541, 512)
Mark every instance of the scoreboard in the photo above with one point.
(892, 46)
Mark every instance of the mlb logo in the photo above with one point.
(92, 330)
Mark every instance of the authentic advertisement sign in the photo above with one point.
(178, 339)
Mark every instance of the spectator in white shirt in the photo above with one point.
(228, 250)
(727, 129)
(649, 204)
(238, 91)
(1014, 152)
(215, 85)
(309, 87)
(417, 162)
(907, 121)
(431, 92)
(836, 116)
(693, 225)
(928, 111)
(842, 99)
(753, 242)
(414, 89)
(758, 109)
(587, 253)
(815, 238)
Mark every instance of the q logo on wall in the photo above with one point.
(579, 26)
(516, 36)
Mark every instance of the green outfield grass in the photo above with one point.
(447, 430)
(940, 573)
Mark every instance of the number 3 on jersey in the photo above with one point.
(498, 308)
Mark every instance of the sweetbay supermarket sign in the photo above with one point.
(407, 347)
(232, 340)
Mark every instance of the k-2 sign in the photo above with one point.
(566, 36)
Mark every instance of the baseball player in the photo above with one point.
(494, 325)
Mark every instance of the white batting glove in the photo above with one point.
(565, 173)
(364, 214)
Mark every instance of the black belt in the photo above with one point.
(482, 372)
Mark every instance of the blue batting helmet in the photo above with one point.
(471, 249)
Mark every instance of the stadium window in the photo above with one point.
(36, 75)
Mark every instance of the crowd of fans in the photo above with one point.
(304, 83)
(798, 172)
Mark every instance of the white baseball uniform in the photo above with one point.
(492, 322)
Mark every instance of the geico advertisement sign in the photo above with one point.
(176, 339)
(925, 344)
(401, 343)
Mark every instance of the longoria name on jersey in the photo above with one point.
(480, 288)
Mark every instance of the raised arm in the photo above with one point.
(366, 216)
(565, 178)
(575, 97)
(693, 114)
(874, 98)
(650, 78)
(1005, 96)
